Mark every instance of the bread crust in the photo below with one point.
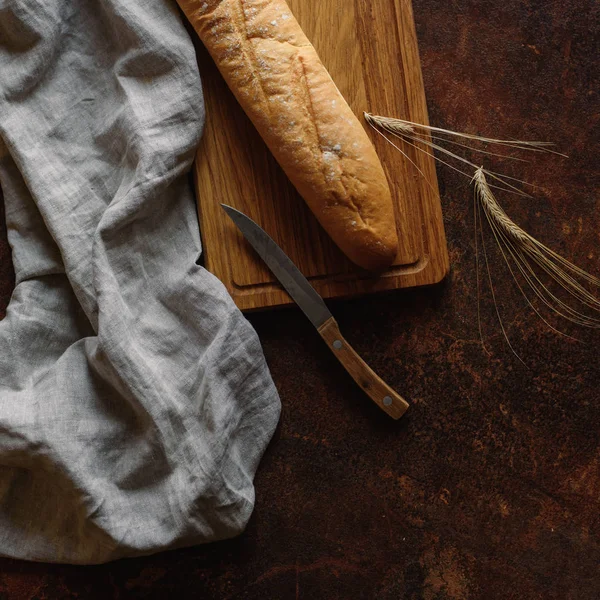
(280, 82)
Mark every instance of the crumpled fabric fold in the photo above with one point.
(135, 401)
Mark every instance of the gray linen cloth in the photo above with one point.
(135, 402)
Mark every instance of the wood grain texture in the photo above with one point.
(371, 52)
(374, 387)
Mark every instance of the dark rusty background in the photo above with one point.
(490, 486)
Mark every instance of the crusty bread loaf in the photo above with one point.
(278, 79)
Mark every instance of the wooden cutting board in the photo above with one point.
(370, 49)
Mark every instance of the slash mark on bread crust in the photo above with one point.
(251, 60)
(347, 199)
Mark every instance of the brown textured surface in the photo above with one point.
(489, 487)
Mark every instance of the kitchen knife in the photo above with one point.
(313, 306)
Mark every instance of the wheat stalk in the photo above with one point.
(404, 127)
(523, 254)
(408, 132)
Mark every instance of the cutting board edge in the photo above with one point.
(273, 296)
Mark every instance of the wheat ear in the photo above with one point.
(403, 127)
(532, 258)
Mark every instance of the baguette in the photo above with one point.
(280, 82)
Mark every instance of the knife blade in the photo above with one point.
(313, 306)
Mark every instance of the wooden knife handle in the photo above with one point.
(377, 389)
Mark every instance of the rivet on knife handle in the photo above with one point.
(379, 391)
